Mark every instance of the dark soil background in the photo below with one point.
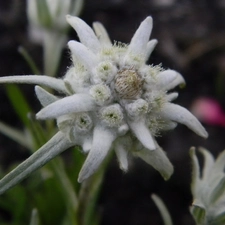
(191, 35)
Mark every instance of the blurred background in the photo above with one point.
(191, 35)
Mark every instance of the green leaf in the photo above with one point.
(162, 209)
(16, 197)
(39, 135)
(29, 60)
(18, 102)
(16, 135)
(89, 193)
(67, 190)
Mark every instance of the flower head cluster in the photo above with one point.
(208, 190)
(113, 100)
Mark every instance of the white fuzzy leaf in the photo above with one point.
(181, 115)
(71, 104)
(102, 142)
(47, 152)
(157, 159)
(85, 33)
(122, 146)
(141, 37)
(44, 97)
(83, 55)
(102, 34)
(142, 133)
(150, 47)
(51, 82)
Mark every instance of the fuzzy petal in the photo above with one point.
(158, 160)
(142, 133)
(195, 172)
(220, 163)
(165, 78)
(47, 152)
(181, 115)
(150, 47)
(51, 82)
(141, 37)
(87, 143)
(102, 34)
(83, 55)
(85, 33)
(122, 146)
(179, 80)
(208, 163)
(169, 125)
(171, 96)
(102, 142)
(71, 104)
(44, 97)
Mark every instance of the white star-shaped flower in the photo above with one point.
(112, 100)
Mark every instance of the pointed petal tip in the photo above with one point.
(71, 44)
(80, 179)
(83, 175)
(200, 131)
(166, 177)
(149, 19)
(204, 134)
(192, 149)
(124, 169)
(153, 42)
(181, 115)
(40, 115)
(37, 88)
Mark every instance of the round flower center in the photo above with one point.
(128, 83)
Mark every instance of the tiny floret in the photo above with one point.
(104, 72)
(112, 115)
(137, 108)
(110, 99)
(101, 93)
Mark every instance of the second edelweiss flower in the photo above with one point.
(113, 100)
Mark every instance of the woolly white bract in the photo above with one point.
(208, 190)
(113, 100)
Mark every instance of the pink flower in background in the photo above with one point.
(209, 111)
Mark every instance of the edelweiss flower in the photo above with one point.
(113, 100)
(208, 206)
